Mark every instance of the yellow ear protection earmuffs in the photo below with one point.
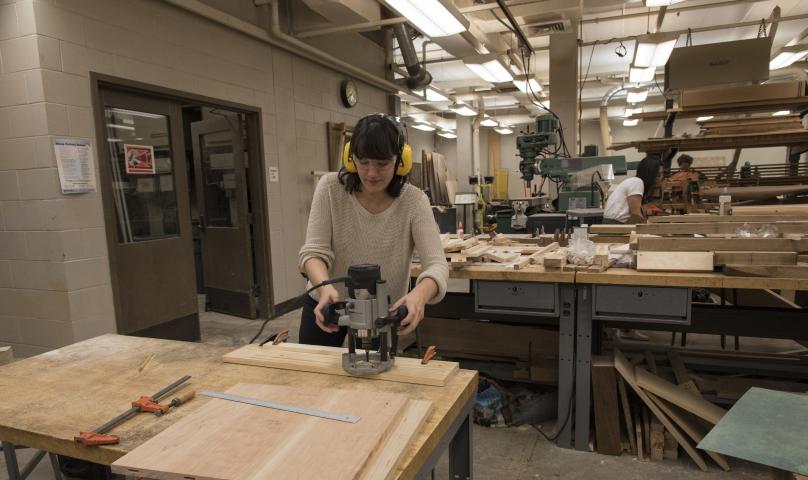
(404, 160)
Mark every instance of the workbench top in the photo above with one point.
(622, 276)
(48, 399)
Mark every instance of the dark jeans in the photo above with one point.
(311, 334)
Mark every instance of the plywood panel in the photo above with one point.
(226, 440)
(675, 261)
(318, 359)
(755, 258)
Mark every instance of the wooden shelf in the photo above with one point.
(717, 142)
(798, 103)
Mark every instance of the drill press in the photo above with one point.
(370, 325)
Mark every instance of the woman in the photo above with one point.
(624, 204)
(368, 213)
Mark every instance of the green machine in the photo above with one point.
(578, 178)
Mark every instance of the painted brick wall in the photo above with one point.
(54, 275)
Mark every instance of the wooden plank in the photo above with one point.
(609, 229)
(657, 440)
(475, 251)
(328, 360)
(680, 372)
(717, 227)
(382, 464)
(621, 387)
(229, 440)
(674, 261)
(646, 430)
(690, 425)
(708, 218)
(607, 413)
(651, 362)
(500, 256)
(799, 209)
(671, 451)
(679, 397)
(755, 258)
(658, 244)
(555, 260)
(638, 433)
(733, 388)
(628, 372)
(779, 271)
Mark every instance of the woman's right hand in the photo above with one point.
(328, 295)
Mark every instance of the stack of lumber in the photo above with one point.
(700, 242)
(751, 125)
(433, 166)
(655, 415)
(610, 233)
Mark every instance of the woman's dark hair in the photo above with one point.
(648, 171)
(376, 137)
(684, 158)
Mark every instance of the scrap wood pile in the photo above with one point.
(742, 245)
(653, 406)
(549, 251)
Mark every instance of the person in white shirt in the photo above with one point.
(624, 204)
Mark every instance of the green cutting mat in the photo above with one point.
(767, 427)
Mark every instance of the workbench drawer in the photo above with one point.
(516, 298)
(641, 304)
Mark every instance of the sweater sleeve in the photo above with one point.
(426, 235)
(318, 232)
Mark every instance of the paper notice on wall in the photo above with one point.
(74, 159)
(139, 159)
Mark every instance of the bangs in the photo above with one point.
(378, 141)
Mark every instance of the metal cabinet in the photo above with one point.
(516, 298)
(670, 305)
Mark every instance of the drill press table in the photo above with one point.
(47, 399)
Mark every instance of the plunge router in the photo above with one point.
(370, 324)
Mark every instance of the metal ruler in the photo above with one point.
(281, 406)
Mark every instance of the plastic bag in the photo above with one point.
(581, 250)
(764, 231)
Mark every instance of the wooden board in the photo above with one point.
(733, 388)
(610, 229)
(627, 371)
(781, 271)
(755, 258)
(798, 209)
(6, 355)
(680, 372)
(225, 440)
(707, 218)
(657, 440)
(679, 397)
(382, 464)
(717, 244)
(690, 425)
(621, 387)
(607, 413)
(328, 360)
(674, 261)
(717, 227)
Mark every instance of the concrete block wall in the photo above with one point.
(55, 287)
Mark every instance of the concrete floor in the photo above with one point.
(505, 453)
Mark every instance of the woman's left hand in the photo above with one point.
(415, 311)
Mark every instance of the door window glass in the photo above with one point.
(219, 177)
(142, 175)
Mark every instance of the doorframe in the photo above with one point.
(255, 163)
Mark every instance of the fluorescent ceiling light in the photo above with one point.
(631, 111)
(781, 113)
(435, 96)
(503, 130)
(424, 126)
(660, 3)
(705, 118)
(527, 84)
(436, 18)
(637, 74)
(654, 49)
(788, 55)
(489, 122)
(461, 108)
(135, 113)
(447, 134)
(637, 95)
(490, 68)
(630, 123)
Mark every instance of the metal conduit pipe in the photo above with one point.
(605, 130)
(419, 77)
(277, 38)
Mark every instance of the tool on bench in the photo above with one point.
(99, 435)
(281, 406)
(369, 322)
(276, 338)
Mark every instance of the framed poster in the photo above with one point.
(74, 160)
(139, 159)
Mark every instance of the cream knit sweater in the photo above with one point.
(342, 233)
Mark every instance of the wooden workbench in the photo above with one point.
(48, 399)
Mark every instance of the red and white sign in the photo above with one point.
(139, 159)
